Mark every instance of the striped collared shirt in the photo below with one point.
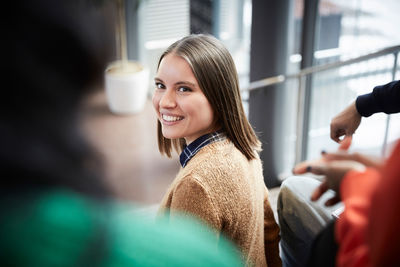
(197, 144)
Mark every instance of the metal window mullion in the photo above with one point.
(299, 120)
(385, 140)
(309, 36)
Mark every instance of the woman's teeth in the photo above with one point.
(171, 118)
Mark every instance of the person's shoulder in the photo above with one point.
(183, 242)
(58, 208)
(217, 162)
(48, 228)
(65, 228)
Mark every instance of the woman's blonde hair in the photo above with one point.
(216, 74)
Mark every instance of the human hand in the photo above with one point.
(338, 164)
(345, 123)
(301, 168)
(368, 161)
(334, 171)
(333, 166)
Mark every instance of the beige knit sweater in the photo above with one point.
(225, 190)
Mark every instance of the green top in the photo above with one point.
(65, 229)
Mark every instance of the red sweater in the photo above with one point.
(368, 231)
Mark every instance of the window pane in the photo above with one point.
(360, 26)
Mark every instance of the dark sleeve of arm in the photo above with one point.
(384, 98)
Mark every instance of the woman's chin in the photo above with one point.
(171, 136)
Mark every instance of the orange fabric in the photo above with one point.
(369, 224)
(383, 231)
(356, 191)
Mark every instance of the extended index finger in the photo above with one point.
(346, 142)
(319, 191)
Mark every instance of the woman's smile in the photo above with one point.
(171, 118)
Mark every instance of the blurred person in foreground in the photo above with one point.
(300, 214)
(56, 209)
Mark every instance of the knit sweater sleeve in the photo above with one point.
(271, 234)
(190, 197)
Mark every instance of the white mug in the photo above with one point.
(126, 87)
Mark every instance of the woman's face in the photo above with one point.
(181, 106)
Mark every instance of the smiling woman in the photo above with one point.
(200, 114)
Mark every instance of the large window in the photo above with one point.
(345, 29)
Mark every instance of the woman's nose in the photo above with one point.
(168, 99)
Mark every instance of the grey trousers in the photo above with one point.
(301, 219)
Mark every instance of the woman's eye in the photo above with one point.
(184, 89)
(159, 86)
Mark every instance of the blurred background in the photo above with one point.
(266, 38)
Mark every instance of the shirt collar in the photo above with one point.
(197, 144)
